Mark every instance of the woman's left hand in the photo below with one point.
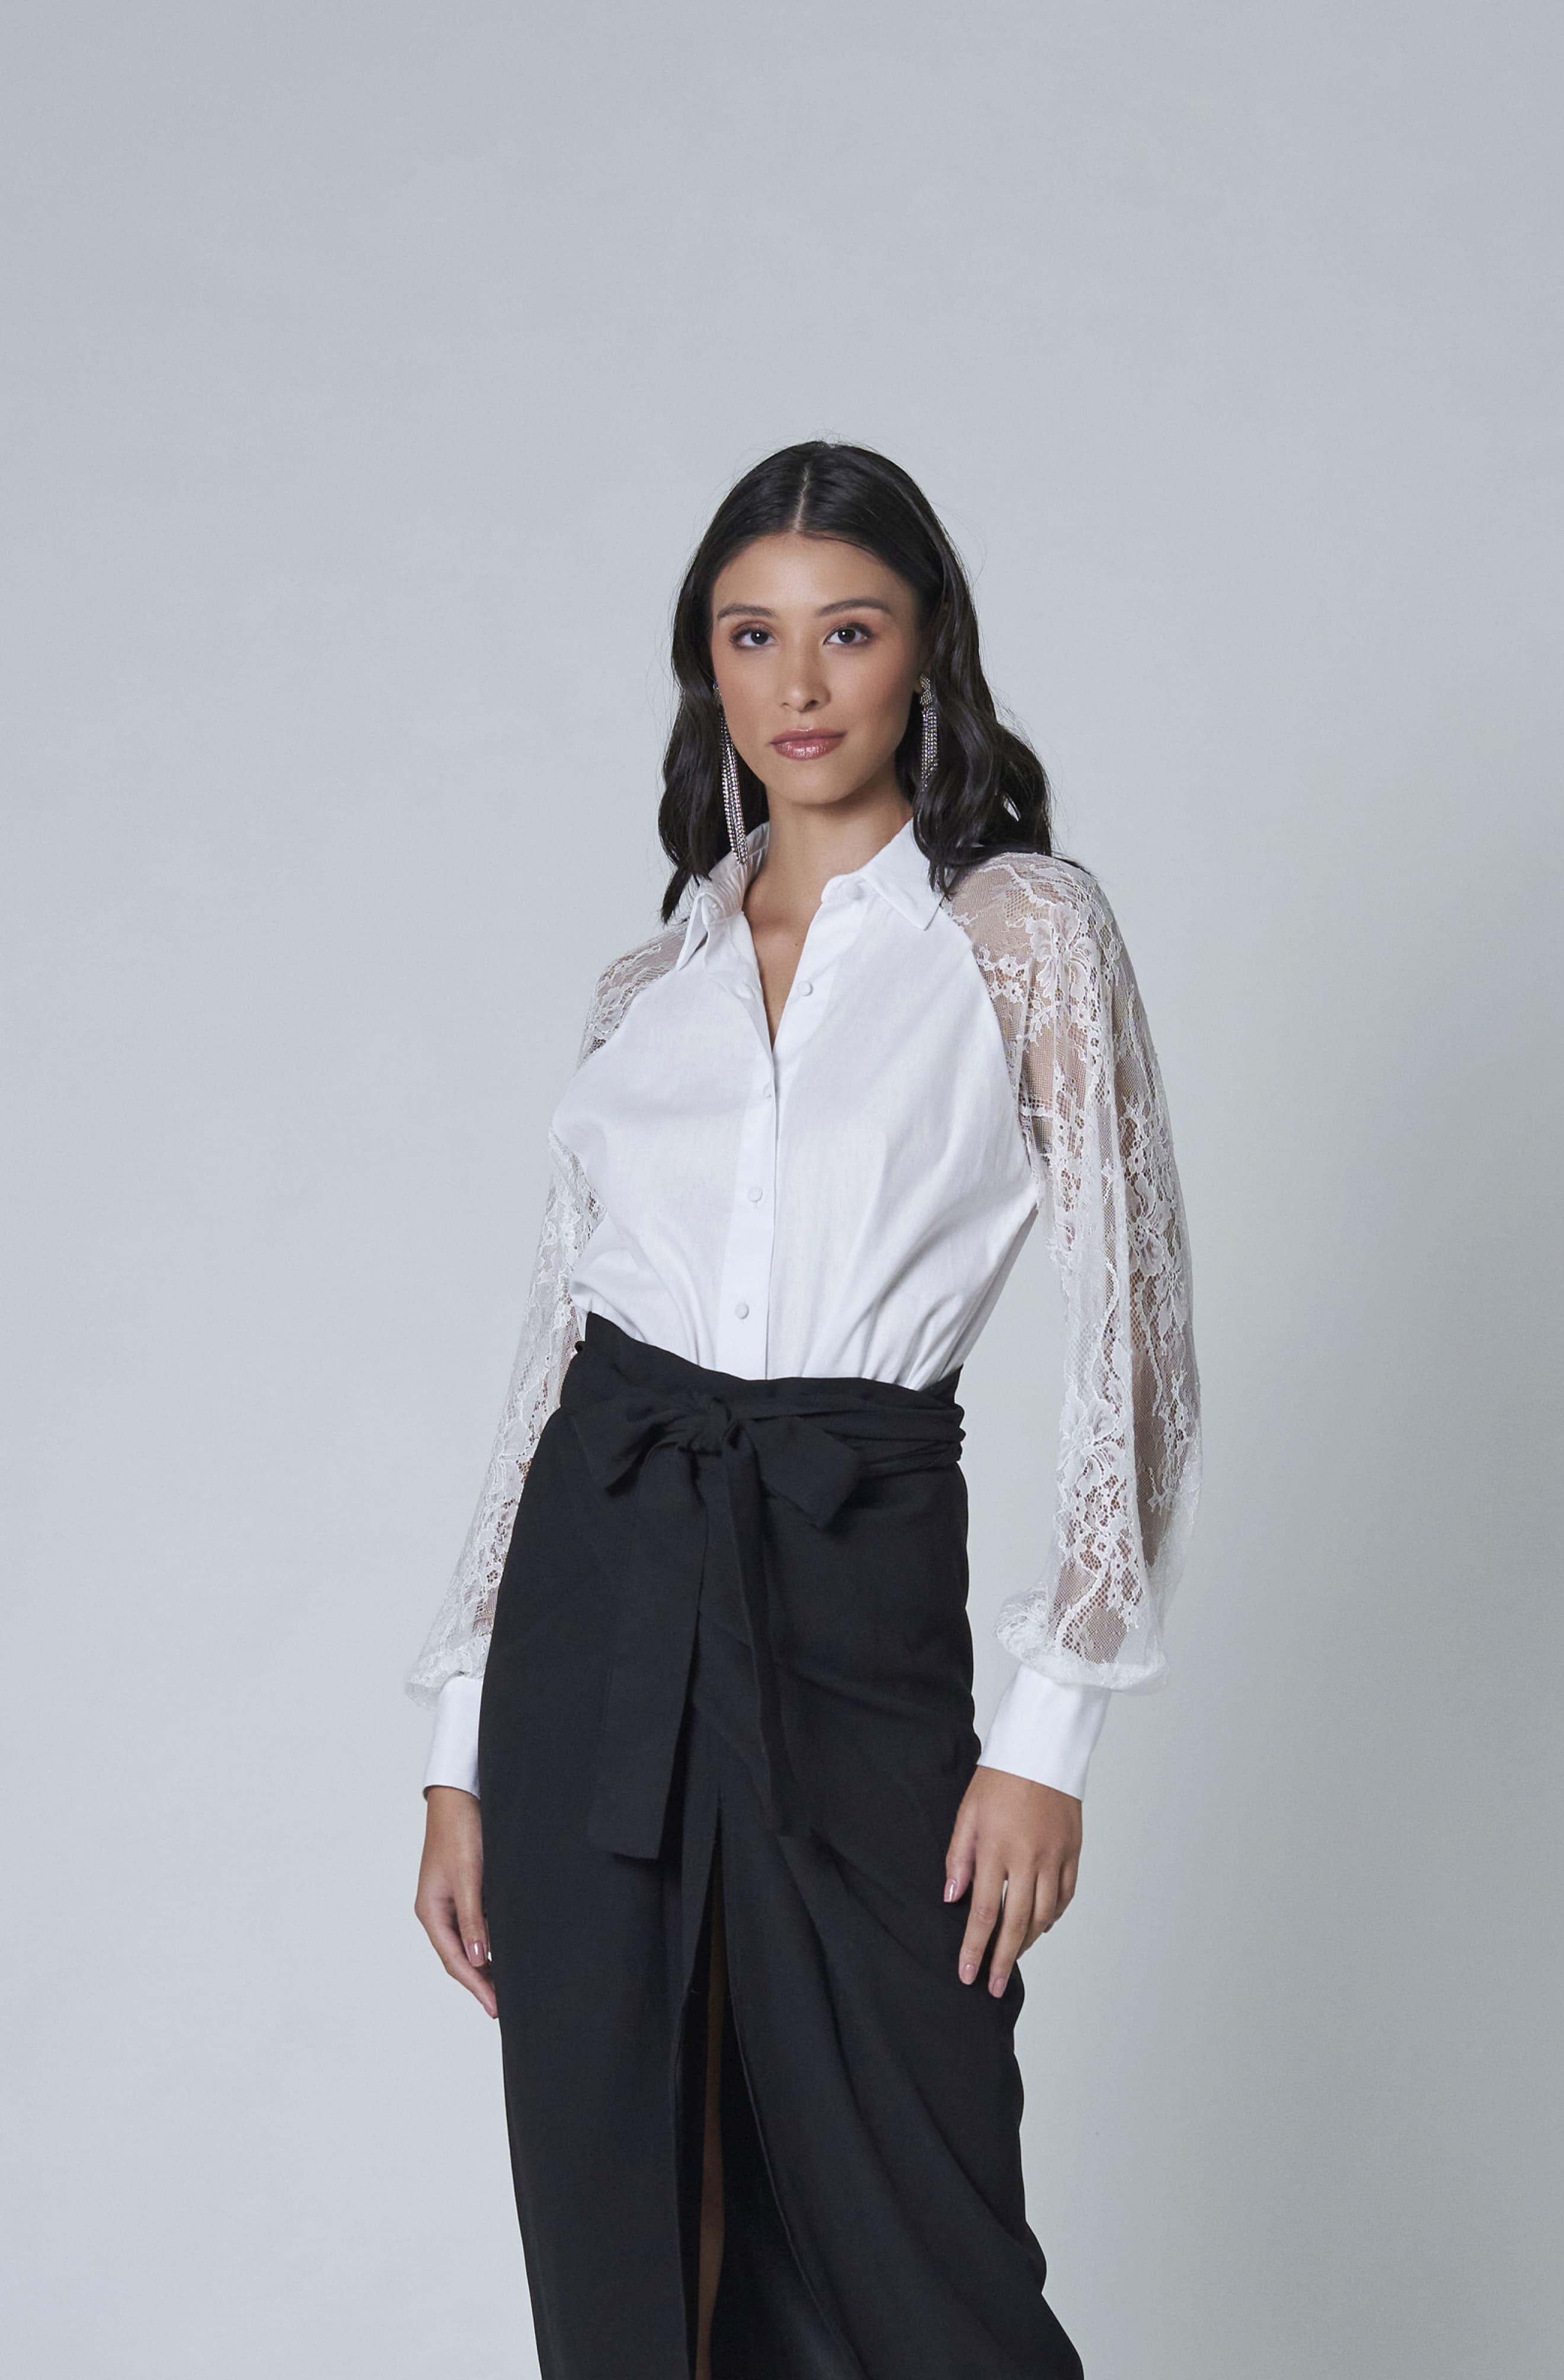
(1018, 1845)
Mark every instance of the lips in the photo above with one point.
(804, 748)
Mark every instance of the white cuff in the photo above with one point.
(1046, 1731)
(453, 1757)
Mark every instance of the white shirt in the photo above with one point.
(851, 1200)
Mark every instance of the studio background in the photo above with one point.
(373, 372)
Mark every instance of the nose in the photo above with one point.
(803, 684)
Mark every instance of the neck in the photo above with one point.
(806, 846)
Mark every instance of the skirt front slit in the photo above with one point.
(645, 1773)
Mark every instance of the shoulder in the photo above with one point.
(1033, 902)
(623, 979)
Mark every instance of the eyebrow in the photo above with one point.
(853, 604)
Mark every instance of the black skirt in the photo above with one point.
(730, 1677)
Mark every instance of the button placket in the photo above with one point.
(744, 1302)
(832, 931)
(744, 1305)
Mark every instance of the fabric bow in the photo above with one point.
(816, 1470)
(700, 1524)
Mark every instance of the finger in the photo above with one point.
(1020, 1897)
(440, 1923)
(459, 1967)
(988, 1893)
(959, 1856)
(1045, 1903)
(470, 1921)
(1058, 1888)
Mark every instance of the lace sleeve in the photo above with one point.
(1094, 1115)
(457, 1643)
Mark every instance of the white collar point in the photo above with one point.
(898, 873)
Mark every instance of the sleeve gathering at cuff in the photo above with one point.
(1046, 1731)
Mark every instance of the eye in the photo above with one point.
(854, 631)
(741, 638)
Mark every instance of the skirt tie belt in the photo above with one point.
(808, 1441)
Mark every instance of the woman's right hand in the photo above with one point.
(449, 1903)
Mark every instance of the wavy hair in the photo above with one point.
(988, 791)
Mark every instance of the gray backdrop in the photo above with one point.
(377, 369)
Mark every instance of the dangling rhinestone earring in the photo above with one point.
(930, 734)
(732, 801)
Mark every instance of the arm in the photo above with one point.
(1129, 1459)
(449, 1671)
(451, 1663)
(1093, 1109)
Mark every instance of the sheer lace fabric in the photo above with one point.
(458, 1642)
(1090, 1107)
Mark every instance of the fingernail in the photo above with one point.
(997, 1984)
(477, 1954)
(968, 1969)
(949, 1888)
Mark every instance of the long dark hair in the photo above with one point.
(988, 791)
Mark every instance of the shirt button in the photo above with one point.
(742, 1308)
(805, 989)
(755, 1191)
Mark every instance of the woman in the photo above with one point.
(710, 1828)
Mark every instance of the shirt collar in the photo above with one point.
(898, 873)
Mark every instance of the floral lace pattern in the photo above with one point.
(459, 1641)
(1092, 1108)
(1093, 1115)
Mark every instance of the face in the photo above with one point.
(816, 651)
